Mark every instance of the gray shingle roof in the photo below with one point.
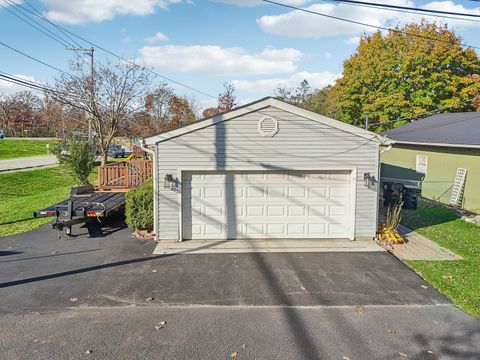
(462, 129)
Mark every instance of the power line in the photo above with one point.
(128, 60)
(398, 7)
(33, 23)
(364, 24)
(26, 83)
(35, 59)
(37, 13)
(36, 86)
(378, 6)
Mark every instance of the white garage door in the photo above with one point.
(252, 205)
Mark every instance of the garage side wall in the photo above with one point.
(236, 144)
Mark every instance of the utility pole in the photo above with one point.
(89, 52)
(366, 121)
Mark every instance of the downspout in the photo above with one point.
(155, 186)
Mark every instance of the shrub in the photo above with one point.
(77, 155)
(139, 207)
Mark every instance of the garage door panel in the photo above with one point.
(267, 205)
(296, 210)
(317, 229)
(317, 210)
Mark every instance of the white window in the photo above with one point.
(422, 164)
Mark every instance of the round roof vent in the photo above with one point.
(267, 126)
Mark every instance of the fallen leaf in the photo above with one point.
(74, 299)
(391, 331)
(88, 352)
(359, 309)
(154, 270)
(346, 357)
(234, 354)
(402, 354)
(446, 277)
(150, 299)
(424, 286)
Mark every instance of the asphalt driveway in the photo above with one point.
(104, 292)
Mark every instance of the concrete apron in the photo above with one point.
(265, 246)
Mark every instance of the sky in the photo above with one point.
(204, 43)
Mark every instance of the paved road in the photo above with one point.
(281, 306)
(28, 162)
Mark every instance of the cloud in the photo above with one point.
(301, 24)
(327, 55)
(317, 80)
(81, 11)
(157, 37)
(452, 7)
(258, 2)
(354, 40)
(212, 59)
(10, 87)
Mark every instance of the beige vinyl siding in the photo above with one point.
(235, 144)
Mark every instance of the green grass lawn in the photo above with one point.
(460, 279)
(10, 149)
(23, 192)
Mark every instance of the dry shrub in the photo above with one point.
(388, 230)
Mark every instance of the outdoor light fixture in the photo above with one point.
(369, 181)
(170, 182)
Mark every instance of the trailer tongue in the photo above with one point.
(84, 203)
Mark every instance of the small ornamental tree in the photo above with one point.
(77, 155)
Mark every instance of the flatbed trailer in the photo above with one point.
(83, 204)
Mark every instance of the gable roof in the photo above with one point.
(259, 105)
(452, 130)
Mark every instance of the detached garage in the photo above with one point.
(266, 170)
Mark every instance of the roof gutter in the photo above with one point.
(466, 146)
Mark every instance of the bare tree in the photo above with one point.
(297, 96)
(157, 105)
(118, 91)
(226, 101)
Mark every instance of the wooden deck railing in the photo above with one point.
(124, 175)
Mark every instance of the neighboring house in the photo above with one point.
(266, 170)
(432, 150)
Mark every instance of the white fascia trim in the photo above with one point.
(207, 122)
(264, 104)
(436, 144)
(336, 124)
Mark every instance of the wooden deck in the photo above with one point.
(124, 175)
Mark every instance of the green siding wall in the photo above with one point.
(400, 162)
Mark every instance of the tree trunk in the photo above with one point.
(104, 158)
